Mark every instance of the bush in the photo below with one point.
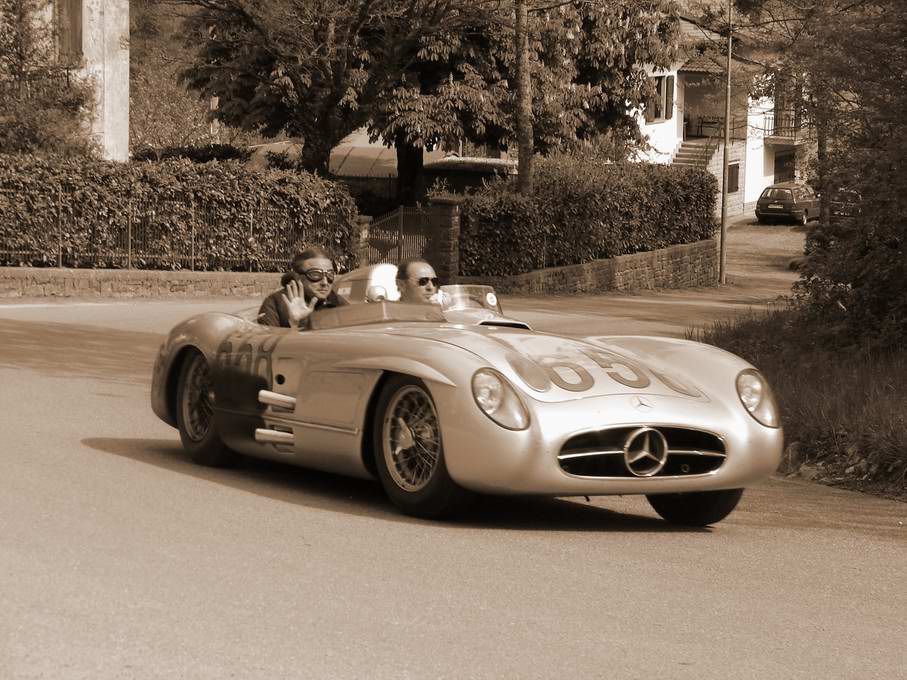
(582, 210)
(854, 279)
(845, 410)
(170, 215)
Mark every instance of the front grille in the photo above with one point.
(601, 453)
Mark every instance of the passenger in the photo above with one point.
(305, 288)
(416, 280)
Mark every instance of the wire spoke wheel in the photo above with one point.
(411, 439)
(197, 410)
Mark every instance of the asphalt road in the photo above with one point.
(120, 559)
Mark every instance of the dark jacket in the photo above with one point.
(273, 312)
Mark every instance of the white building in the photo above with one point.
(684, 125)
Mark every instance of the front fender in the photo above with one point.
(402, 365)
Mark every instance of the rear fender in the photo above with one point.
(203, 333)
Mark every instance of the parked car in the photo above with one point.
(790, 201)
(440, 400)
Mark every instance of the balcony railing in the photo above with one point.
(710, 126)
(785, 125)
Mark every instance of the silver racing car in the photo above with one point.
(440, 401)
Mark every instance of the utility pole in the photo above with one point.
(722, 256)
(524, 131)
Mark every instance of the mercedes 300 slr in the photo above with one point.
(442, 401)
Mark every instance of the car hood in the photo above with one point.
(553, 368)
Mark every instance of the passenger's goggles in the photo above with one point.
(315, 275)
(424, 280)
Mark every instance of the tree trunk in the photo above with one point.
(409, 172)
(316, 153)
(822, 160)
(525, 142)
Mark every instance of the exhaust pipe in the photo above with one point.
(265, 436)
(276, 399)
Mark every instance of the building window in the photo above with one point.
(660, 107)
(733, 177)
(70, 29)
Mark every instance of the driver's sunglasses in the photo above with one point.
(423, 281)
(315, 275)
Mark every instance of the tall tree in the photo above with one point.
(424, 72)
(586, 66)
(312, 68)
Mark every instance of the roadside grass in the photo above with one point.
(844, 412)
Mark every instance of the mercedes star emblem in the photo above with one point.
(645, 452)
(642, 404)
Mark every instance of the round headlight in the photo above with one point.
(488, 390)
(757, 398)
(497, 399)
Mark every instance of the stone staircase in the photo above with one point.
(694, 153)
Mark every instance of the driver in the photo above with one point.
(417, 281)
(305, 288)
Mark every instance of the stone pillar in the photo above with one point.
(448, 265)
(105, 50)
(360, 241)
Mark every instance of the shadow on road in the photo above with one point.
(75, 350)
(324, 491)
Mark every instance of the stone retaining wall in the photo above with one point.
(51, 282)
(682, 266)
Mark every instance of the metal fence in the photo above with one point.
(33, 85)
(155, 233)
(408, 232)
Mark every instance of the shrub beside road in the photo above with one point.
(171, 214)
(583, 208)
(844, 409)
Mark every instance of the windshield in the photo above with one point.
(777, 194)
(461, 297)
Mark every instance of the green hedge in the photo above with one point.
(168, 215)
(583, 210)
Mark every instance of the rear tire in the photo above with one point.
(803, 220)
(696, 509)
(409, 454)
(195, 414)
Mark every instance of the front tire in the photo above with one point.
(409, 454)
(803, 220)
(195, 414)
(696, 509)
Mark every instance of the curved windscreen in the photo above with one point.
(462, 297)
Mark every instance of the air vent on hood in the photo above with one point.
(505, 323)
